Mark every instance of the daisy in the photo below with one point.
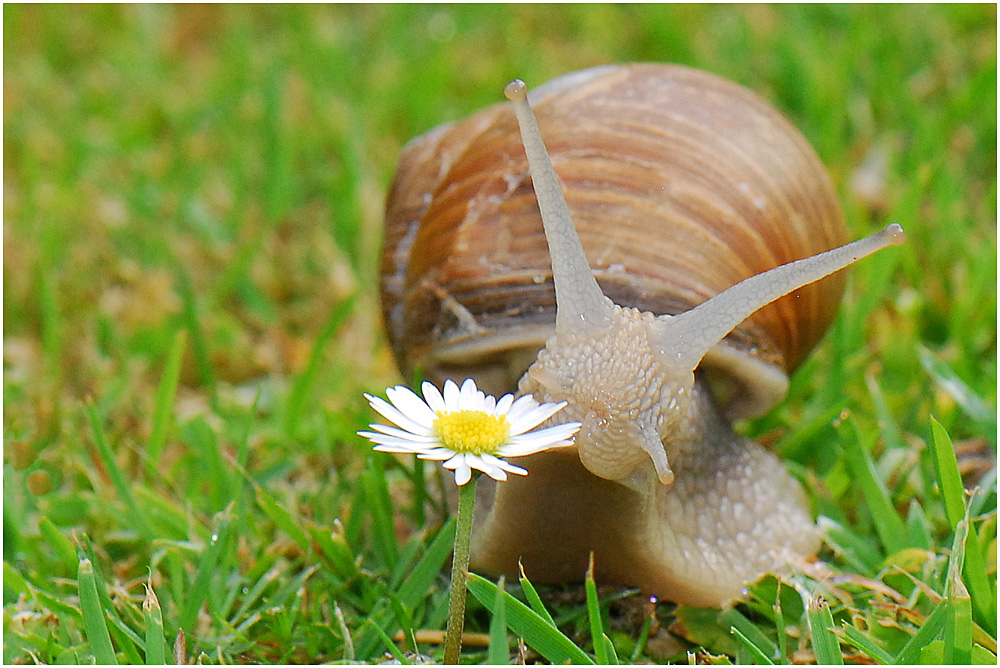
(466, 429)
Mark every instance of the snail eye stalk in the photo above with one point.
(580, 304)
(688, 336)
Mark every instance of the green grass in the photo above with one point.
(192, 205)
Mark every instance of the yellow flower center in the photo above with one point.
(471, 432)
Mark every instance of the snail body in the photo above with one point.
(680, 190)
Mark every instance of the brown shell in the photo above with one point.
(680, 184)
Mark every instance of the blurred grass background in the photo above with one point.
(192, 206)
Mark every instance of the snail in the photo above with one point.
(639, 274)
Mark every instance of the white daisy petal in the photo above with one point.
(471, 399)
(410, 405)
(558, 432)
(479, 463)
(382, 439)
(432, 396)
(398, 449)
(436, 454)
(392, 414)
(501, 464)
(521, 406)
(454, 461)
(503, 404)
(494, 472)
(522, 448)
(451, 395)
(463, 473)
(392, 431)
(533, 418)
(518, 450)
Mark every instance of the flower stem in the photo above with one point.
(459, 572)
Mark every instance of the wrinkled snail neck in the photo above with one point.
(587, 321)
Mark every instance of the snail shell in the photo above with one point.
(680, 184)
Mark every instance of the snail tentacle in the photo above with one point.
(686, 337)
(581, 304)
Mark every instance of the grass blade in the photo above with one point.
(959, 628)
(970, 402)
(751, 632)
(283, 519)
(156, 644)
(206, 570)
(419, 582)
(949, 479)
(888, 524)
(169, 520)
(303, 384)
(115, 473)
(609, 649)
(758, 655)
(981, 590)
(499, 651)
(640, 643)
(917, 526)
(379, 503)
(58, 542)
(866, 644)
(887, 425)
(334, 546)
(922, 638)
(387, 641)
(251, 594)
(534, 600)
(958, 625)
(180, 648)
(953, 493)
(13, 580)
(94, 622)
(404, 619)
(544, 638)
(850, 546)
(345, 634)
(935, 654)
(407, 556)
(204, 440)
(125, 638)
(594, 614)
(824, 641)
(165, 393)
(199, 346)
(982, 656)
(779, 625)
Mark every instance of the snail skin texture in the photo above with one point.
(658, 486)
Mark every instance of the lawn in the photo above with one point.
(192, 223)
